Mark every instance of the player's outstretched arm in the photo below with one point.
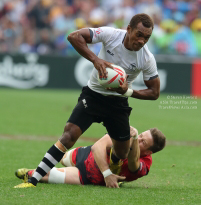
(151, 93)
(79, 40)
(99, 150)
(134, 154)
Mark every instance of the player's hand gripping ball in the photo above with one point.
(116, 77)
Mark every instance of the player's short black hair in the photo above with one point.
(144, 18)
(159, 140)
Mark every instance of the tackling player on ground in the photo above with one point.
(81, 163)
(96, 104)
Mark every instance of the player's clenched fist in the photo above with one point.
(133, 131)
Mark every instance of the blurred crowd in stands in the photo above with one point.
(41, 26)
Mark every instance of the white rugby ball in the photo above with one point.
(116, 77)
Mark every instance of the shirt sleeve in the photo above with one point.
(145, 164)
(150, 69)
(102, 34)
(143, 170)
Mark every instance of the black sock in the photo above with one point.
(51, 158)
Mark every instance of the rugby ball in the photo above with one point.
(116, 77)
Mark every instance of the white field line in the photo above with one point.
(89, 139)
(41, 138)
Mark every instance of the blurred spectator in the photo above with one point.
(39, 14)
(64, 21)
(183, 40)
(121, 16)
(42, 25)
(28, 42)
(111, 5)
(63, 46)
(17, 8)
(193, 13)
(85, 8)
(97, 17)
(8, 34)
(45, 45)
(165, 41)
(157, 34)
(150, 7)
(196, 27)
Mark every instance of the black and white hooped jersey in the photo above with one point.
(113, 51)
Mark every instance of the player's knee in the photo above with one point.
(68, 139)
(67, 159)
(56, 176)
(70, 135)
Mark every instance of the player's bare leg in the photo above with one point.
(54, 155)
(67, 175)
(119, 151)
(70, 135)
(121, 148)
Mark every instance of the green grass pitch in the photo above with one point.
(31, 121)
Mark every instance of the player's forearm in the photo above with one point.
(100, 157)
(80, 45)
(147, 94)
(134, 156)
(135, 150)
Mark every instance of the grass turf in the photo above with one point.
(45, 112)
(174, 177)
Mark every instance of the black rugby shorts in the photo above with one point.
(113, 111)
